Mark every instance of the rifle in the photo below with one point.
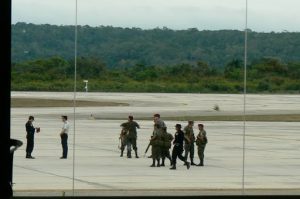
(147, 148)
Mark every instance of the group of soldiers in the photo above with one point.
(161, 142)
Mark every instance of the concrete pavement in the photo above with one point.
(271, 162)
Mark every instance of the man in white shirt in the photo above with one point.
(64, 136)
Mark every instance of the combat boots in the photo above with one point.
(128, 154)
(136, 155)
(187, 165)
(158, 163)
(185, 157)
(153, 163)
(192, 162)
(173, 167)
(121, 153)
(201, 162)
(162, 162)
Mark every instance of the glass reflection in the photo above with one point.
(272, 106)
(132, 63)
(42, 87)
(141, 59)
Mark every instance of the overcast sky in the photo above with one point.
(263, 15)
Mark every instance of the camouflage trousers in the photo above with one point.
(165, 153)
(156, 152)
(201, 149)
(123, 144)
(189, 148)
(131, 142)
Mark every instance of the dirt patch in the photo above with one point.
(33, 102)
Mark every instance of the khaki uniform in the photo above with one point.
(131, 127)
(156, 145)
(165, 149)
(189, 139)
(161, 123)
(201, 142)
(123, 138)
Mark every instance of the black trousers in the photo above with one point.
(30, 144)
(64, 143)
(177, 152)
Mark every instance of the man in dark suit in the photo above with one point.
(178, 147)
(30, 130)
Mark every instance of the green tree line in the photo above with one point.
(122, 47)
(265, 75)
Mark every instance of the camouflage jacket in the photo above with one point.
(131, 127)
(189, 135)
(201, 138)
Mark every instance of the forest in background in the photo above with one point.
(123, 47)
(267, 75)
(156, 60)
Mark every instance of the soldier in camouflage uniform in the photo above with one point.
(131, 127)
(161, 124)
(158, 120)
(156, 144)
(189, 141)
(123, 138)
(201, 142)
(167, 143)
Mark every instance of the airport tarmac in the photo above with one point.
(271, 164)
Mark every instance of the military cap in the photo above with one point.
(178, 125)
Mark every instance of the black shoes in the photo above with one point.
(201, 163)
(30, 157)
(192, 164)
(128, 154)
(136, 155)
(188, 165)
(63, 158)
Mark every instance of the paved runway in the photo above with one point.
(272, 160)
